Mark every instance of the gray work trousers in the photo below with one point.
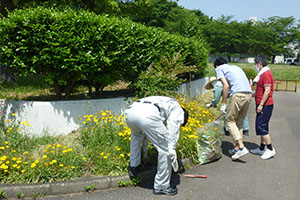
(144, 120)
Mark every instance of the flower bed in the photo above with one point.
(100, 147)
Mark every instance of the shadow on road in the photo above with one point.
(228, 145)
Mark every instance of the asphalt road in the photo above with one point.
(249, 178)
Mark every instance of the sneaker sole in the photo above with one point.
(268, 157)
(165, 193)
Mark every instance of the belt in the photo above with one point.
(149, 102)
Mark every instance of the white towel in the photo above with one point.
(263, 70)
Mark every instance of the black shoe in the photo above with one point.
(132, 172)
(169, 191)
(246, 132)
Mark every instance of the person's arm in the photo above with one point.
(225, 90)
(264, 99)
(174, 121)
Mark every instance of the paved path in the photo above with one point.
(249, 179)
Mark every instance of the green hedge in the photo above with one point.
(71, 47)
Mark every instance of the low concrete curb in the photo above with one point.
(75, 185)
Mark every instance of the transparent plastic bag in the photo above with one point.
(209, 141)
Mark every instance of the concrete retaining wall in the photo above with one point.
(61, 117)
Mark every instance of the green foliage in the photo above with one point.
(250, 73)
(161, 78)
(132, 182)
(90, 188)
(106, 142)
(69, 47)
(101, 147)
(3, 195)
(20, 195)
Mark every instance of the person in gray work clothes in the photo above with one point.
(158, 118)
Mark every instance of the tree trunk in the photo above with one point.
(229, 58)
(57, 88)
(273, 59)
(6, 5)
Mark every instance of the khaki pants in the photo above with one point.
(236, 112)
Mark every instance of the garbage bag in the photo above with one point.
(209, 141)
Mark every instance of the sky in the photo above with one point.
(244, 9)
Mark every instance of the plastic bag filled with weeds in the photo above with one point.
(209, 141)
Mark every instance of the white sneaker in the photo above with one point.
(257, 151)
(268, 154)
(239, 153)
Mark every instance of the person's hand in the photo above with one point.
(259, 108)
(173, 156)
(208, 105)
(223, 109)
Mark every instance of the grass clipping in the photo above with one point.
(210, 141)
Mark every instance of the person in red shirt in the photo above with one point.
(264, 107)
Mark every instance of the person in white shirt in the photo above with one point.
(158, 118)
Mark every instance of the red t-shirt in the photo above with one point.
(266, 79)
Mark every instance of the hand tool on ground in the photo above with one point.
(195, 176)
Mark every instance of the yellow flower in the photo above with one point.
(104, 157)
(45, 156)
(23, 170)
(14, 165)
(2, 148)
(5, 142)
(102, 153)
(13, 114)
(19, 161)
(73, 167)
(33, 165)
(83, 158)
(61, 165)
(3, 158)
(14, 159)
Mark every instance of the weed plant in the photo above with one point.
(100, 147)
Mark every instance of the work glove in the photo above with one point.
(208, 105)
(223, 109)
(173, 156)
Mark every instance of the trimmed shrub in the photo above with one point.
(70, 47)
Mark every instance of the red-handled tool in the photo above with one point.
(194, 176)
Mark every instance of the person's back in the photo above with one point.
(236, 78)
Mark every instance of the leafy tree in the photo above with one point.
(282, 31)
(97, 6)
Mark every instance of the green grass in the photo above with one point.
(280, 72)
